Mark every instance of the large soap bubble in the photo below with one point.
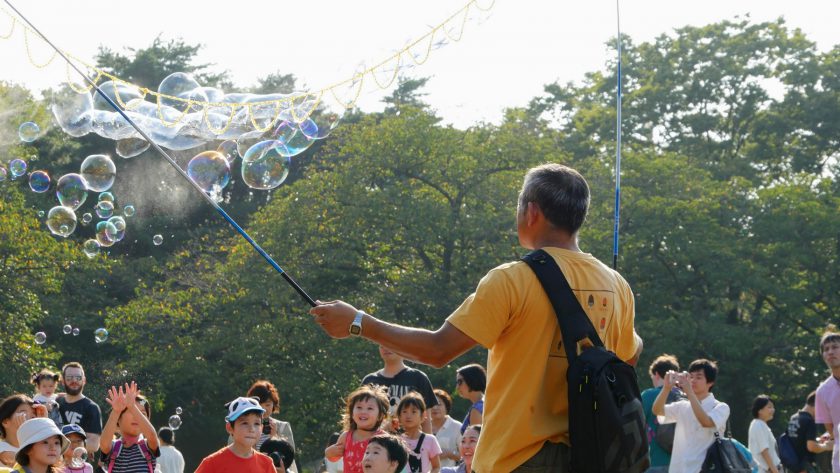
(119, 225)
(73, 111)
(103, 230)
(39, 181)
(183, 86)
(131, 147)
(210, 170)
(91, 249)
(127, 93)
(264, 166)
(28, 131)
(17, 168)
(61, 221)
(99, 172)
(71, 190)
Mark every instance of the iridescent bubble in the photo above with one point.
(104, 209)
(73, 111)
(264, 166)
(40, 338)
(71, 190)
(100, 335)
(175, 422)
(228, 150)
(3, 174)
(322, 116)
(157, 239)
(39, 181)
(131, 147)
(296, 144)
(129, 210)
(179, 411)
(17, 168)
(99, 172)
(183, 86)
(246, 140)
(79, 458)
(40, 214)
(61, 221)
(91, 249)
(103, 230)
(76, 332)
(106, 196)
(309, 128)
(87, 218)
(28, 131)
(210, 170)
(119, 224)
(67, 329)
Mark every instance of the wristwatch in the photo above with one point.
(356, 326)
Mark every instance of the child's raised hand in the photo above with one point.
(131, 391)
(116, 398)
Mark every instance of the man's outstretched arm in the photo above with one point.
(436, 348)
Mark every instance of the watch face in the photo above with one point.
(355, 329)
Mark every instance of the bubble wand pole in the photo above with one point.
(174, 164)
(617, 143)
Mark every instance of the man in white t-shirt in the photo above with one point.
(698, 417)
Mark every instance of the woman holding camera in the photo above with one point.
(269, 399)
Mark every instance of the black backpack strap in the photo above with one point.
(574, 323)
(419, 443)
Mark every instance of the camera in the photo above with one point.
(266, 426)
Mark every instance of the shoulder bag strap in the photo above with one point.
(419, 443)
(574, 323)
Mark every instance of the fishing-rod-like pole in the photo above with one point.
(617, 213)
(171, 161)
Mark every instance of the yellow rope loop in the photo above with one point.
(475, 2)
(431, 36)
(463, 26)
(393, 76)
(143, 93)
(117, 91)
(84, 89)
(11, 28)
(29, 52)
(223, 129)
(254, 119)
(299, 119)
(160, 111)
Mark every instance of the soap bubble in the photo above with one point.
(119, 224)
(210, 170)
(67, 329)
(61, 221)
(3, 174)
(104, 231)
(100, 335)
(40, 214)
(228, 150)
(106, 196)
(87, 218)
(76, 332)
(183, 86)
(157, 239)
(246, 140)
(79, 458)
(40, 338)
(296, 144)
(73, 111)
(104, 209)
(179, 411)
(117, 92)
(28, 131)
(17, 168)
(71, 190)
(129, 210)
(131, 147)
(264, 166)
(175, 422)
(99, 172)
(39, 181)
(91, 249)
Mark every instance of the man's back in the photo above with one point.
(802, 428)
(170, 460)
(511, 315)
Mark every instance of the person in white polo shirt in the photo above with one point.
(698, 416)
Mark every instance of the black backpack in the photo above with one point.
(724, 457)
(607, 427)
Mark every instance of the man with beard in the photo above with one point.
(77, 409)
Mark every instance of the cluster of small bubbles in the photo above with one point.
(61, 221)
(210, 170)
(17, 168)
(76, 332)
(39, 181)
(264, 165)
(104, 231)
(71, 190)
(40, 338)
(91, 248)
(99, 172)
(67, 329)
(87, 218)
(100, 335)
(104, 209)
(129, 211)
(79, 458)
(28, 131)
(106, 196)
(175, 422)
(157, 239)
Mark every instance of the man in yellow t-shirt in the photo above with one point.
(526, 408)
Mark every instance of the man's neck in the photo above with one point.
(392, 369)
(702, 396)
(71, 398)
(241, 451)
(836, 373)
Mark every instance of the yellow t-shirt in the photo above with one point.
(510, 314)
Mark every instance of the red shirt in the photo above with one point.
(225, 461)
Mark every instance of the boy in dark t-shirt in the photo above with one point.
(401, 380)
(802, 430)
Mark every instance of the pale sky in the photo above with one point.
(501, 62)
